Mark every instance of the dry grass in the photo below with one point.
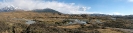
(46, 20)
(70, 26)
(108, 31)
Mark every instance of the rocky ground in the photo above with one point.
(36, 22)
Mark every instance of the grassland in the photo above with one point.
(57, 23)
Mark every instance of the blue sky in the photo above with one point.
(105, 6)
(117, 7)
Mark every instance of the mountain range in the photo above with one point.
(12, 8)
(49, 10)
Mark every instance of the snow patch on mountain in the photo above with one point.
(69, 8)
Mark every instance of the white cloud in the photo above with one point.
(41, 4)
(116, 13)
(70, 8)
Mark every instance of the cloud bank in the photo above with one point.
(70, 8)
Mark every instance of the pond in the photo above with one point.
(30, 21)
(76, 21)
(27, 21)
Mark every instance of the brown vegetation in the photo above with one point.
(57, 23)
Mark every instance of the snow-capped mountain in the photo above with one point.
(13, 8)
(7, 8)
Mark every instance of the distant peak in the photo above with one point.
(48, 10)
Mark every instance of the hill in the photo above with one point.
(47, 10)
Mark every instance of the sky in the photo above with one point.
(119, 7)
(111, 7)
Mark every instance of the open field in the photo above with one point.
(15, 22)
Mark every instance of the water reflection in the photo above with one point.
(76, 21)
(30, 21)
(27, 20)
